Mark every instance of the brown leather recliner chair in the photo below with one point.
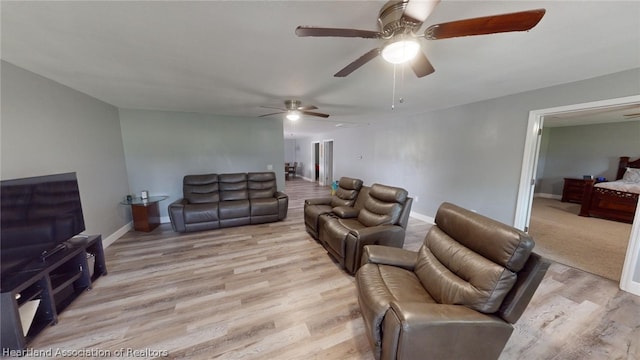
(456, 297)
(346, 195)
(379, 217)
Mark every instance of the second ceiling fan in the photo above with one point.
(400, 22)
(294, 109)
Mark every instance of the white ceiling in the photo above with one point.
(232, 57)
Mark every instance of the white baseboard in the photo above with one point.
(632, 287)
(548, 196)
(123, 230)
(425, 218)
(117, 234)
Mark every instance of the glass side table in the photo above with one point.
(145, 212)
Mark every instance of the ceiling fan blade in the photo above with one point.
(421, 65)
(419, 10)
(275, 113)
(358, 62)
(273, 107)
(518, 21)
(311, 113)
(336, 32)
(307, 107)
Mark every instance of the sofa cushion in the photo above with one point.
(478, 232)
(232, 209)
(261, 185)
(233, 187)
(383, 205)
(197, 213)
(198, 189)
(347, 192)
(268, 206)
(475, 268)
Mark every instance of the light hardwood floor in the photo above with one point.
(271, 292)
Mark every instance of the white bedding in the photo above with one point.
(620, 185)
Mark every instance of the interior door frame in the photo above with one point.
(528, 180)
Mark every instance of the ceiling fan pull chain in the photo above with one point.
(393, 91)
(401, 99)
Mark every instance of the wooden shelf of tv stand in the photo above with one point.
(56, 282)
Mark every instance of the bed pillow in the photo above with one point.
(632, 175)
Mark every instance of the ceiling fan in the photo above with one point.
(400, 21)
(632, 116)
(294, 109)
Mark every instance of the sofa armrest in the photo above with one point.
(283, 204)
(386, 255)
(318, 201)
(346, 212)
(357, 239)
(443, 331)
(389, 235)
(176, 215)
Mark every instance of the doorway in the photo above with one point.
(630, 279)
(315, 160)
(326, 163)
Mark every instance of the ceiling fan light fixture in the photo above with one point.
(400, 51)
(293, 115)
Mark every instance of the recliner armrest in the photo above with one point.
(280, 195)
(346, 212)
(386, 255)
(318, 201)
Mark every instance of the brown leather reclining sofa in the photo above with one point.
(214, 201)
(356, 216)
(456, 297)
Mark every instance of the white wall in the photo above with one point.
(290, 150)
(303, 154)
(161, 147)
(48, 128)
(470, 154)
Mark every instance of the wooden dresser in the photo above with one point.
(573, 189)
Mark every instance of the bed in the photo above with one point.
(614, 200)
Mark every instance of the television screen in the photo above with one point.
(36, 214)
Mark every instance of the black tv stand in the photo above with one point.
(53, 282)
(47, 254)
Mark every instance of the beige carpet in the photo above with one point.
(594, 245)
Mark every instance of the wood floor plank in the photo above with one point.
(270, 291)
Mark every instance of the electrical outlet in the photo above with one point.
(416, 198)
(269, 167)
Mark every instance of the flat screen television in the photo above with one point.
(36, 215)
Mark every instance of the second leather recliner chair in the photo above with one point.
(456, 297)
(379, 217)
